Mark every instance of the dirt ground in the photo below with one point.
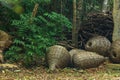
(42, 73)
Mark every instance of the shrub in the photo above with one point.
(31, 39)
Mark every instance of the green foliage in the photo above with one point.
(88, 6)
(29, 5)
(92, 6)
(34, 35)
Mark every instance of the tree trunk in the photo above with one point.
(74, 29)
(77, 13)
(105, 7)
(116, 18)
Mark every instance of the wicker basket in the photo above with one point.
(73, 52)
(1, 58)
(87, 59)
(115, 51)
(98, 44)
(57, 57)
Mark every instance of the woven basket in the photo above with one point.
(87, 59)
(98, 44)
(1, 58)
(73, 52)
(115, 51)
(57, 57)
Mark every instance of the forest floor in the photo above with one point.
(103, 72)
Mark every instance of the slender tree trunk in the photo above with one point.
(79, 15)
(35, 10)
(61, 11)
(116, 18)
(74, 29)
(105, 6)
